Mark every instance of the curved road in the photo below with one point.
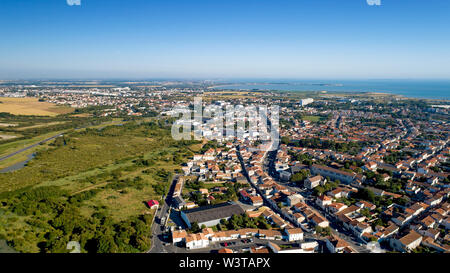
(43, 141)
(29, 147)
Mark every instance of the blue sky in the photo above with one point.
(333, 39)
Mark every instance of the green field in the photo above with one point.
(313, 118)
(90, 186)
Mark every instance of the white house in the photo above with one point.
(337, 245)
(323, 201)
(294, 234)
(408, 242)
(178, 236)
(312, 182)
(194, 241)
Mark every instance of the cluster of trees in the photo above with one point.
(243, 221)
(300, 177)
(57, 215)
(198, 198)
(302, 158)
(230, 194)
(195, 184)
(144, 162)
(137, 183)
(365, 194)
(379, 201)
(330, 185)
(394, 185)
(162, 177)
(395, 157)
(326, 231)
(60, 141)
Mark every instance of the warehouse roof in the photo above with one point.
(213, 212)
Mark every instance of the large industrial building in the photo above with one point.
(210, 215)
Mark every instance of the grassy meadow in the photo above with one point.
(90, 186)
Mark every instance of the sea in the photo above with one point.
(426, 89)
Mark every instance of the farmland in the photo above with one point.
(31, 106)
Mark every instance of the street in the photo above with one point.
(158, 227)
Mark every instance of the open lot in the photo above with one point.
(31, 106)
(4, 136)
(313, 118)
(40, 125)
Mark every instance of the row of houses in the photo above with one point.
(207, 236)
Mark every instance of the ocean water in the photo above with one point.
(429, 89)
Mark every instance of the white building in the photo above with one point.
(305, 102)
(408, 242)
(294, 199)
(194, 241)
(294, 234)
(312, 182)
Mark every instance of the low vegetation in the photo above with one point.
(90, 186)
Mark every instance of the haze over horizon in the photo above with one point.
(138, 39)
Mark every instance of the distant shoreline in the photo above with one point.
(240, 87)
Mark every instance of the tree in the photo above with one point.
(366, 212)
(195, 227)
(300, 176)
(106, 244)
(285, 140)
(323, 231)
(365, 194)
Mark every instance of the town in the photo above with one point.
(348, 173)
(342, 181)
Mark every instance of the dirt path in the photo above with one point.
(89, 188)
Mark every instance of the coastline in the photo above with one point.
(234, 88)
